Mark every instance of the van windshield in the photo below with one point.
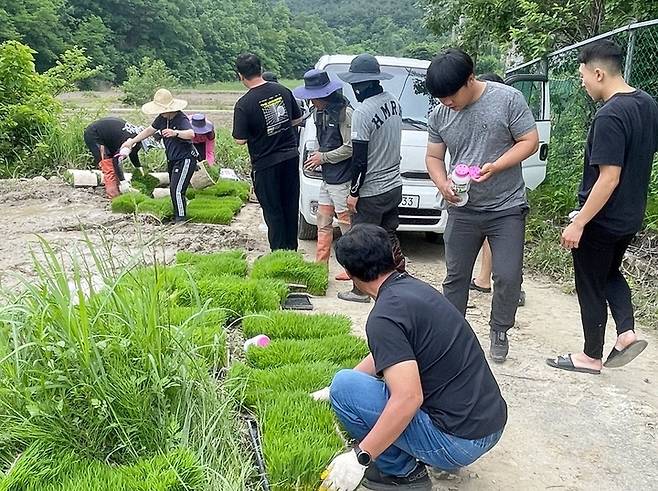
(407, 84)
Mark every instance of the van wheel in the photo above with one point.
(434, 237)
(306, 231)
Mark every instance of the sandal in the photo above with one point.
(478, 288)
(564, 362)
(619, 358)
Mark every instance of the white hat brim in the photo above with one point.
(155, 108)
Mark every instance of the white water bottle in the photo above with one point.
(461, 183)
(260, 341)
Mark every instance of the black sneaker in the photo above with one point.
(419, 479)
(499, 346)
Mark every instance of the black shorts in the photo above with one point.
(381, 210)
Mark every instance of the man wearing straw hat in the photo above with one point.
(333, 123)
(376, 189)
(177, 134)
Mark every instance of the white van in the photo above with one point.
(419, 210)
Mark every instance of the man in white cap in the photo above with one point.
(333, 124)
(376, 189)
(177, 133)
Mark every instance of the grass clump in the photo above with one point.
(281, 324)
(291, 267)
(116, 376)
(127, 203)
(206, 209)
(161, 208)
(145, 184)
(300, 439)
(335, 349)
(239, 296)
(216, 264)
(38, 469)
(222, 188)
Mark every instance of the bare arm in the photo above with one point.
(185, 134)
(603, 188)
(240, 142)
(436, 166)
(403, 382)
(367, 365)
(143, 135)
(524, 147)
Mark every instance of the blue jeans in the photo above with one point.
(358, 399)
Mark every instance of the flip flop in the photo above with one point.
(619, 358)
(478, 288)
(564, 362)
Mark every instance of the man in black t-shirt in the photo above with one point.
(436, 402)
(622, 141)
(263, 120)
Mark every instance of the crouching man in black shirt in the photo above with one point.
(424, 394)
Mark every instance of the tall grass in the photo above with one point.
(101, 364)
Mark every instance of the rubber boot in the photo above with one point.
(325, 236)
(110, 178)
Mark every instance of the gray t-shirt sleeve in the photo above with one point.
(433, 135)
(360, 126)
(521, 120)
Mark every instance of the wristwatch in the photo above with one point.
(362, 457)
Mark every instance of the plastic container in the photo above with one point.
(260, 341)
(124, 151)
(461, 183)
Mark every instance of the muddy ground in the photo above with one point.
(565, 432)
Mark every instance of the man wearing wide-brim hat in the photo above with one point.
(333, 123)
(177, 133)
(376, 187)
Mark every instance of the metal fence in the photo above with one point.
(571, 108)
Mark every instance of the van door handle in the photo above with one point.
(543, 151)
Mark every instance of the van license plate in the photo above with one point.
(410, 201)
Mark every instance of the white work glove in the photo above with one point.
(321, 395)
(125, 187)
(345, 473)
(573, 215)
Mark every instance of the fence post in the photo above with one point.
(629, 56)
(543, 66)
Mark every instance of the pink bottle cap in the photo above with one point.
(474, 171)
(262, 341)
(461, 170)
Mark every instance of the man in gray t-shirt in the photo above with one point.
(376, 189)
(488, 125)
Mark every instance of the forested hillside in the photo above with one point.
(199, 40)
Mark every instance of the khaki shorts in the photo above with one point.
(335, 195)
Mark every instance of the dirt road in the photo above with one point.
(565, 432)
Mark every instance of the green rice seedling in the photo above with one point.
(206, 328)
(299, 440)
(41, 469)
(145, 184)
(256, 387)
(239, 296)
(335, 349)
(108, 377)
(216, 264)
(290, 267)
(161, 208)
(223, 187)
(281, 324)
(127, 203)
(207, 209)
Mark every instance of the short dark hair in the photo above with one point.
(491, 77)
(605, 52)
(248, 65)
(448, 72)
(365, 252)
